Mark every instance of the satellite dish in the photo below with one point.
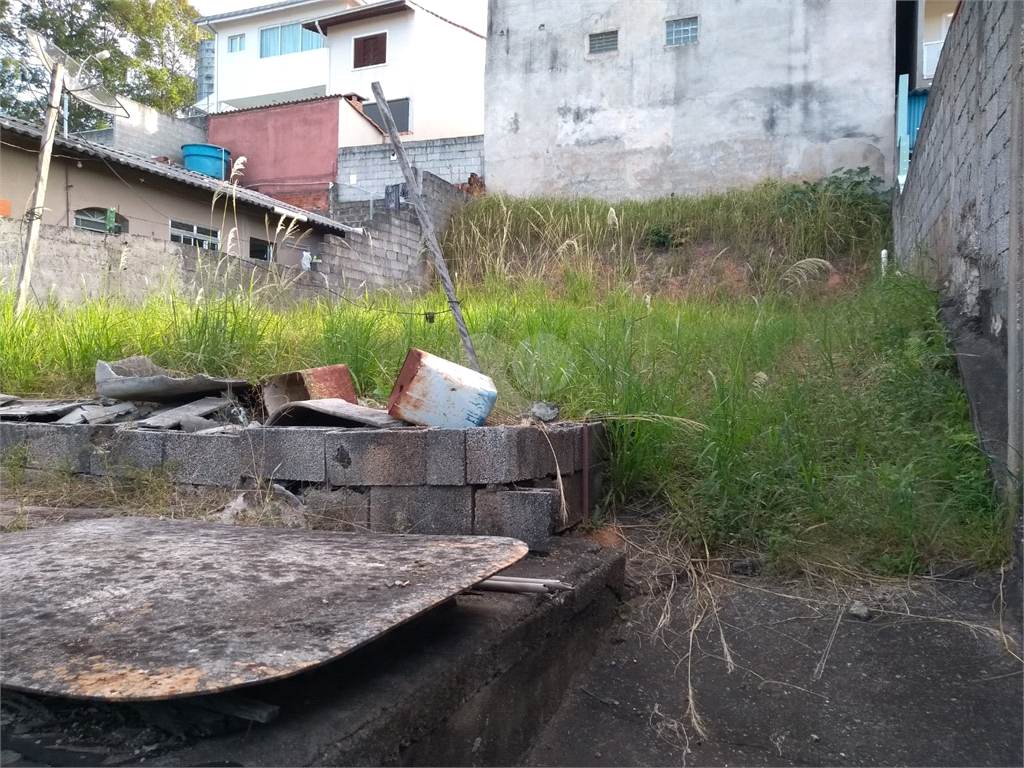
(76, 79)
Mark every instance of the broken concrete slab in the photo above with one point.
(140, 379)
(8, 399)
(169, 418)
(179, 608)
(330, 412)
(40, 410)
(443, 509)
(396, 457)
(523, 514)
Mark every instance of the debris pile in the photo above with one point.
(430, 391)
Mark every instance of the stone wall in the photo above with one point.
(494, 481)
(953, 214)
(451, 160)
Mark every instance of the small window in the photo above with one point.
(681, 31)
(192, 234)
(604, 42)
(370, 50)
(236, 43)
(261, 249)
(105, 220)
(399, 110)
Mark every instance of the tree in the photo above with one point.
(152, 45)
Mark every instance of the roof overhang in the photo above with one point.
(386, 8)
(258, 11)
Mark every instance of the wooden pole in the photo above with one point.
(35, 209)
(426, 224)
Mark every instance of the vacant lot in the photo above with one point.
(768, 391)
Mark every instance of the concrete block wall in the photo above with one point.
(496, 481)
(450, 159)
(952, 215)
(391, 253)
(74, 264)
(150, 133)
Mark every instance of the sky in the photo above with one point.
(471, 13)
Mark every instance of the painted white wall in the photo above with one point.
(396, 76)
(354, 130)
(773, 88)
(243, 79)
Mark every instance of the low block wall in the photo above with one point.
(496, 481)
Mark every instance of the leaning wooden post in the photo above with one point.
(415, 194)
(35, 210)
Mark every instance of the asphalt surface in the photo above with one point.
(928, 678)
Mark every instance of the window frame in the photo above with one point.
(193, 234)
(696, 31)
(270, 249)
(240, 39)
(603, 33)
(305, 38)
(98, 216)
(378, 33)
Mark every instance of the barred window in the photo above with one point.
(604, 42)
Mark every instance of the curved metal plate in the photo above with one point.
(133, 609)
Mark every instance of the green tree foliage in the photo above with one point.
(152, 45)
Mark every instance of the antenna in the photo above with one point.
(66, 74)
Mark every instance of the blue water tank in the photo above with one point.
(207, 159)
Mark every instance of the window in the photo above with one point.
(370, 50)
(289, 38)
(604, 42)
(106, 220)
(193, 234)
(681, 31)
(399, 110)
(261, 249)
(236, 43)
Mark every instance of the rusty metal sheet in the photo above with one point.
(330, 412)
(140, 379)
(135, 609)
(329, 381)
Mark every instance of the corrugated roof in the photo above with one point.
(370, 11)
(252, 11)
(172, 172)
(307, 100)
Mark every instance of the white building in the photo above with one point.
(430, 65)
(621, 99)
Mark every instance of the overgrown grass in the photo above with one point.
(821, 428)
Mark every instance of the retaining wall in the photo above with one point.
(498, 481)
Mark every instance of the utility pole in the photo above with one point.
(415, 193)
(35, 210)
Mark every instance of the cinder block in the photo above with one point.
(396, 457)
(125, 450)
(342, 509)
(58, 446)
(283, 453)
(204, 459)
(506, 455)
(12, 434)
(425, 509)
(523, 514)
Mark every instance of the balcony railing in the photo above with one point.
(931, 57)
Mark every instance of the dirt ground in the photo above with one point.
(924, 672)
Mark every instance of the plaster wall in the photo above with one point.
(149, 132)
(772, 88)
(147, 202)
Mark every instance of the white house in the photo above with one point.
(430, 65)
